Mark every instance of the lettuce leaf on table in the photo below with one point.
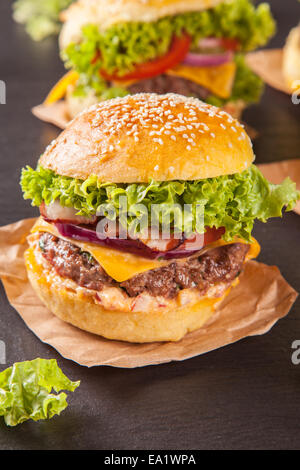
(41, 17)
(25, 391)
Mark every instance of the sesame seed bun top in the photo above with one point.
(149, 136)
(106, 13)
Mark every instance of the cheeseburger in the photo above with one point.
(154, 152)
(192, 47)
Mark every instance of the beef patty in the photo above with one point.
(169, 84)
(220, 264)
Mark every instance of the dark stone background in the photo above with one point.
(242, 396)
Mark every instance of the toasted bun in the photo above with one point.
(105, 13)
(80, 310)
(145, 136)
(291, 59)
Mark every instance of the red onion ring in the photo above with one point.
(207, 60)
(136, 247)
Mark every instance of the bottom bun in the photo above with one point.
(73, 306)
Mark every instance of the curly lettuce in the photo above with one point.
(121, 47)
(41, 18)
(25, 391)
(98, 87)
(230, 201)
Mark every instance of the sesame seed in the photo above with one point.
(133, 114)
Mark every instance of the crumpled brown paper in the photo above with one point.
(267, 64)
(278, 171)
(250, 309)
(55, 113)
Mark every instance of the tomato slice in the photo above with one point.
(230, 44)
(213, 234)
(179, 48)
(198, 241)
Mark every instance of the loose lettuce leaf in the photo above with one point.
(124, 45)
(25, 391)
(232, 201)
(41, 18)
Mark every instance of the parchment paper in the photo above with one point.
(267, 64)
(55, 113)
(261, 298)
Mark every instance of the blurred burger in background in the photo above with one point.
(291, 59)
(192, 47)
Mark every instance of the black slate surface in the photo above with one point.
(242, 396)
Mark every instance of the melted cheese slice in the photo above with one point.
(122, 266)
(218, 79)
(119, 265)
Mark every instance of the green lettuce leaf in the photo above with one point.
(124, 45)
(41, 18)
(231, 201)
(25, 391)
(98, 86)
